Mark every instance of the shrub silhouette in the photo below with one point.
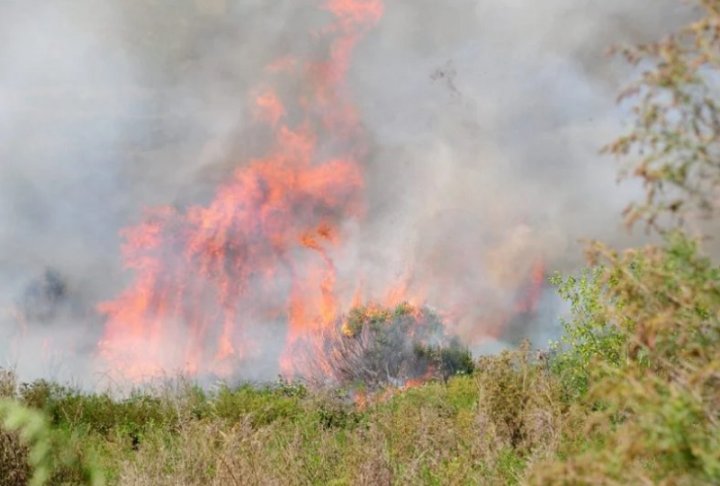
(377, 346)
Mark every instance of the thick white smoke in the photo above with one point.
(485, 119)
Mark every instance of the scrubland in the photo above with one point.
(629, 395)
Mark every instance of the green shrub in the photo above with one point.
(591, 335)
(34, 453)
(649, 396)
(263, 405)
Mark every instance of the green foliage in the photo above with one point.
(261, 405)
(42, 454)
(629, 395)
(657, 309)
(127, 420)
(33, 433)
(435, 433)
(646, 394)
(589, 337)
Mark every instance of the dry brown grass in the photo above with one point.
(14, 468)
(435, 434)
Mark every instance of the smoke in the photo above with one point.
(485, 118)
(488, 118)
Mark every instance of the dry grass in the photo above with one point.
(435, 434)
(14, 467)
(639, 404)
(439, 433)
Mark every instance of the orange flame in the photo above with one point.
(198, 273)
(261, 253)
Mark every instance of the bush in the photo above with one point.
(521, 400)
(261, 405)
(375, 346)
(675, 138)
(33, 453)
(647, 390)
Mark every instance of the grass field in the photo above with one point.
(630, 396)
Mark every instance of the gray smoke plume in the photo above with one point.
(484, 119)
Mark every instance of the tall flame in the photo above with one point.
(260, 255)
(202, 274)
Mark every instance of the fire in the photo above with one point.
(202, 274)
(212, 282)
(529, 301)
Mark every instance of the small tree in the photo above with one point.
(376, 346)
(674, 146)
(639, 362)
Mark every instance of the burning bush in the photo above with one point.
(376, 346)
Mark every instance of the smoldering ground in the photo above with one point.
(484, 119)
